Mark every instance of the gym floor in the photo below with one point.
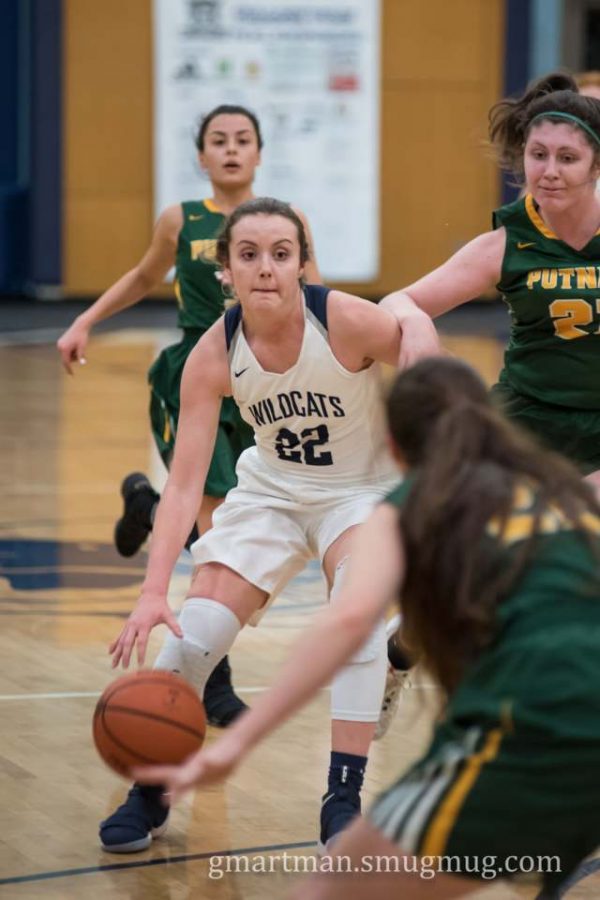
(66, 444)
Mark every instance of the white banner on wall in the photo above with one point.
(310, 71)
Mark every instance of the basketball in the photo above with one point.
(147, 718)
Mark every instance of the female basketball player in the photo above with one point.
(544, 256)
(229, 144)
(492, 545)
(299, 365)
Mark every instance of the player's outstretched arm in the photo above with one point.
(361, 332)
(331, 641)
(128, 290)
(472, 271)
(205, 381)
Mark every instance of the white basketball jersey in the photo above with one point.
(317, 420)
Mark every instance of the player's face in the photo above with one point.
(264, 261)
(559, 165)
(231, 153)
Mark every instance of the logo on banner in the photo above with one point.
(203, 16)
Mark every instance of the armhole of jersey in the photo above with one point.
(233, 320)
(316, 302)
(499, 221)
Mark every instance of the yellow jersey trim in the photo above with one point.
(444, 819)
(537, 220)
(212, 207)
(539, 223)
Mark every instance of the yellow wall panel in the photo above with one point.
(437, 39)
(108, 235)
(441, 71)
(107, 141)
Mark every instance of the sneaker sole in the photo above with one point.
(140, 844)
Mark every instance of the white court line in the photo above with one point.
(68, 695)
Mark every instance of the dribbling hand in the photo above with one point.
(150, 610)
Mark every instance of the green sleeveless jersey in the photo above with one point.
(544, 660)
(197, 288)
(553, 293)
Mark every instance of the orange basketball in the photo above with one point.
(146, 718)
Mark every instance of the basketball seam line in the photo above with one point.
(143, 714)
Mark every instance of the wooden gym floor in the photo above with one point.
(66, 443)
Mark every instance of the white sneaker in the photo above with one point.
(396, 679)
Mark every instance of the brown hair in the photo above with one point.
(467, 462)
(226, 109)
(510, 119)
(260, 206)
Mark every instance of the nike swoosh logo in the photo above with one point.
(522, 244)
(241, 372)
(194, 218)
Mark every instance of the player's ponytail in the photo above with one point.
(467, 464)
(511, 118)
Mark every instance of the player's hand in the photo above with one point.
(71, 345)
(419, 339)
(211, 765)
(151, 610)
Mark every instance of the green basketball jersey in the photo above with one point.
(553, 293)
(197, 288)
(541, 672)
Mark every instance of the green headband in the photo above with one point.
(570, 118)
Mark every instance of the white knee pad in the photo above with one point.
(209, 629)
(357, 689)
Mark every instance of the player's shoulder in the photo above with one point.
(208, 362)
(170, 221)
(356, 323)
(212, 343)
(484, 250)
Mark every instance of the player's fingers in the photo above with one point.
(65, 359)
(116, 650)
(127, 647)
(142, 643)
(112, 647)
(173, 624)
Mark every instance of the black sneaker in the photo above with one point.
(339, 807)
(135, 524)
(221, 703)
(133, 825)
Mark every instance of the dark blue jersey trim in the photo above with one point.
(233, 317)
(316, 300)
(315, 296)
